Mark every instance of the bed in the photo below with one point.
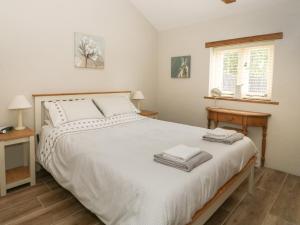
(108, 166)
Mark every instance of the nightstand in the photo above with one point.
(21, 175)
(150, 114)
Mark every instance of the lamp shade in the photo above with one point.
(19, 102)
(138, 95)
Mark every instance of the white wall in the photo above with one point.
(37, 50)
(182, 100)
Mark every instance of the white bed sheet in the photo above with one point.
(111, 171)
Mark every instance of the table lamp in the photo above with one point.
(19, 103)
(138, 96)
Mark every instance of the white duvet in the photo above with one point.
(109, 167)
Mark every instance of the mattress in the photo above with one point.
(108, 166)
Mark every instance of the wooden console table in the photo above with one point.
(244, 118)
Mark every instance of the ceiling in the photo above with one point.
(166, 14)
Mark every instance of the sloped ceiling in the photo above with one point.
(166, 14)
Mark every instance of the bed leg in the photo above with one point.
(251, 181)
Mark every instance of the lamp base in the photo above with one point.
(19, 128)
(139, 105)
(20, 125)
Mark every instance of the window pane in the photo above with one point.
(250, 65)
(258, 69)
(230, 71)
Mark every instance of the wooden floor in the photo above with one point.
(276, 202)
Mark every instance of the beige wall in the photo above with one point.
(182, 100)
(36, 55)
(37, 48)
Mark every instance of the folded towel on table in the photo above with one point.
(229, 140)
(181, 153)
(187, 166)
(220, 133)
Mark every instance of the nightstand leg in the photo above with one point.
(2, 170)
(32, 161)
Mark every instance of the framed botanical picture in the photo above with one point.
(89, 51)
(181, 67)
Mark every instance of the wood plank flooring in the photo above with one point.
(276, 202)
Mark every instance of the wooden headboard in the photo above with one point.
(39, 99)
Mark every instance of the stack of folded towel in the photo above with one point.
(183, 157)
(223, 136)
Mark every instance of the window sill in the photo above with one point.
(249, 100)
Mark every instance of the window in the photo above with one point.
(249, 67)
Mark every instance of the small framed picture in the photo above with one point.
(181, 67)
(89, 51)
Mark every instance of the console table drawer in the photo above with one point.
(236, 119)
(257, 121)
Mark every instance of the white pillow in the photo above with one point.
(115, 105)
(61, 112)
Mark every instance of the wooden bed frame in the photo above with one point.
(39, 100)
(203, 214)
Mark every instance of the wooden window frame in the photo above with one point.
(243, 40)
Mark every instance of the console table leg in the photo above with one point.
(245, 130)
(263, 145)
(208, 123)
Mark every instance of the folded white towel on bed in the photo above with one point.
(181, 153)
(220, 133)
(187, 166)
(230, 140)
